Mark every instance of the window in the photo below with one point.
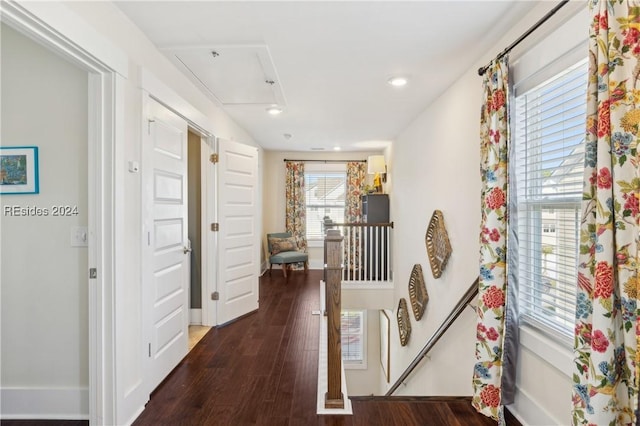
(325, 193)
(353, 338)
(549, 125)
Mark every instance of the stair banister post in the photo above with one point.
(333, 276)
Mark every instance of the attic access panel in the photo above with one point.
(233, 75)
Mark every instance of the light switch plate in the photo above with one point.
(79, 236)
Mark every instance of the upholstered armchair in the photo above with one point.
(283, 250)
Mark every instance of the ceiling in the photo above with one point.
(326, 63)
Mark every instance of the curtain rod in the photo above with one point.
(329, 161)
(534, 27)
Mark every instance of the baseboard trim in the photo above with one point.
(136, 414)
(41, 404)
(316, 264)
(528, 412)
(195, 316)
(510, 416)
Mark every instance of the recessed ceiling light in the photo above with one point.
(398, 81)
(336, 148)
(274, 110)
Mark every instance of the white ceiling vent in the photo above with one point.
(234, 75)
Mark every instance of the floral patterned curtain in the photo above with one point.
(488, 393)
(355, 189)
(605, 379)
(353, 214)
(296, 218)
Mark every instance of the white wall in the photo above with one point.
(44, 280)
(109, 21)
(101, 26)
(274, 191)
(435, 165)
(364, 381)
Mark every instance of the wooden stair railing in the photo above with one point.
(466, 299)
(333, 280)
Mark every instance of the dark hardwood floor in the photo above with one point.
(262, 370)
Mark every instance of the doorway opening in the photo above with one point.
(45, 230)
(195, 190)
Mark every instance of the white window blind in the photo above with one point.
(549, 155)
(325, 191)
(352, 336)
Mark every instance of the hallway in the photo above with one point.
(262, 370)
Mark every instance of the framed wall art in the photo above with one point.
(19, 170)
(418, 292)
(404, 322)
(438, 245)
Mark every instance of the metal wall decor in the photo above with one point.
(418, 292)
(404, 323)
(438, 246)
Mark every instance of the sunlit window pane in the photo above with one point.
(549, 154)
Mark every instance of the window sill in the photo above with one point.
(355, 365)
(558, 355)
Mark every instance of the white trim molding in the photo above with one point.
(195, 316)
(555, 354)
(58, 29)
(323, 368)
(316, 264)
(55, 23)
(164, 94)
(528, 412)
(22, 403)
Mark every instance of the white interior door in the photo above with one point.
(167, 271)
(239, 241)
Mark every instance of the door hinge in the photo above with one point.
(215, 227)
(149, 350)
(93, 273)
(149, 121)
(214, 158)
(215, 296)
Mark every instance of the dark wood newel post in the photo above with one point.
(333, 276)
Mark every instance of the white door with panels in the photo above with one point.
(166, 271)
(238, 238)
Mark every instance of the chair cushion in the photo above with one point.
(279, 245)
(289, 257)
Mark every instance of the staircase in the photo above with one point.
(421, 411)
(464, 301)
(387, 409)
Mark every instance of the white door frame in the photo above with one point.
(209, 239)
(104, 104)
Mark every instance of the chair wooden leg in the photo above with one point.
(284, 269)
(270, 268)
(306, 266)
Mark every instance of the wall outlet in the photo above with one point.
(79, 236)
